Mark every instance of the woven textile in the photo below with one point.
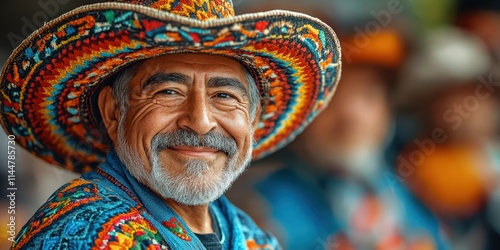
(109, 209)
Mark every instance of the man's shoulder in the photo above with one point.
(84, 214)
(82, 194)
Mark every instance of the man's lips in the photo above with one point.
(195, 151)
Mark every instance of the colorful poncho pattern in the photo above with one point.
(109, 209)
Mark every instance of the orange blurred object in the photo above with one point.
(449, 181)
(386, 49)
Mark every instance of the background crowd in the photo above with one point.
(406, 156)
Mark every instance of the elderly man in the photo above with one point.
(161, 104)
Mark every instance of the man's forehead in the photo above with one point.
(185, 67)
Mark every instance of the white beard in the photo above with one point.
(192, 187)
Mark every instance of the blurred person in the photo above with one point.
(161, 106)
(453, 165)
(333, 192)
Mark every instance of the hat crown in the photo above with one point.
(196, 9)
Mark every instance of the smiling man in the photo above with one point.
(199, 110)
(161, 105)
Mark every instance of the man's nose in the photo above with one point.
(197, 115)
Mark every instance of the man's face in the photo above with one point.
(466, 112)
(187, 133)
(354, 125)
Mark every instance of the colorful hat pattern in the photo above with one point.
(50, 83)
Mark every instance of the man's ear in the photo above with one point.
(110, 112)
(256, 118)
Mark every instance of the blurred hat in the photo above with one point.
(385, 49)
(448, 57)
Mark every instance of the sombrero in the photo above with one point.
(50, 83)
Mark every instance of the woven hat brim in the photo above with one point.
(49, 83)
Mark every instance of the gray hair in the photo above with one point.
(121, 88)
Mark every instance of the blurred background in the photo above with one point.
(406, 156)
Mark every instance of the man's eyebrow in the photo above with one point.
(217, 82)
(165, 77)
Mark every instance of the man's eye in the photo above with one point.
(167, 92)
(224, 95)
